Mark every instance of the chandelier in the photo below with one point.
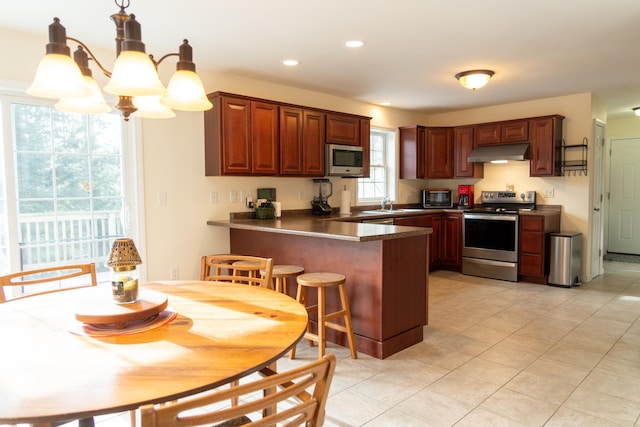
(134, 78)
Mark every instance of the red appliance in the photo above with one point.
(465, 196)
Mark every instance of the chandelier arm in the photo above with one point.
(156, 63)
(104, 70)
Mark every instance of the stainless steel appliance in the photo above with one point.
(344, 160)
(490, 234)
(323, 189)
(437, 198)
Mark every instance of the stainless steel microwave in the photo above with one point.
(437, 198)
(343, 160)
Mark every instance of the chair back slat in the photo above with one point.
(301, 392)
(237, 269)
(60, 274)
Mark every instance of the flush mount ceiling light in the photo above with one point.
(291, 62)
(474, 79)
(636, 111)
(354, 43)
(134, 78)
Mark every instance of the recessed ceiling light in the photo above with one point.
(385, 103)
(291, 62)
(354, 43)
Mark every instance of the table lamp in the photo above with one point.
(123, 259)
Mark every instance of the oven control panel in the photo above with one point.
(528, 197)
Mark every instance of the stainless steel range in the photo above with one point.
(490, 234)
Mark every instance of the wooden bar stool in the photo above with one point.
(321, 281)
(280, 275)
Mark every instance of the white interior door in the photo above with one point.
(624, 204)
(597, 230)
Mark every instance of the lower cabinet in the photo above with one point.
(533, 258)
(445, 247)
(451, 247)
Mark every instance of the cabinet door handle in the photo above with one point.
(596, 209)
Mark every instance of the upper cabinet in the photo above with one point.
(343, 129)
(545, 146)
(506, 132)
(514, 131)
(439, 152)
(413, 152)
(301, 142)
(463, 137)
(242, 137)
(443, 152)
(251, 136)
(488, 133)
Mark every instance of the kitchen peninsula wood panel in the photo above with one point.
(387, 282)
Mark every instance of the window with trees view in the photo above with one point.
(63, 200)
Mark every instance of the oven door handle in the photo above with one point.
(491, 217)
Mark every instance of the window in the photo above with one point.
(381, 182)
(63, 195)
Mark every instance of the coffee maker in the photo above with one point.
(322, 190)
(465, 196)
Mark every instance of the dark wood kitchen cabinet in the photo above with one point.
(241, 137)
(514, 131)
(343, 129)
(488, 133)
(451, 246)
(545, 146)
(445, 244)
(413, 152)
(533, 256)
(252, 136)
(504, 132)
(439, 152)
(301, 142)
(463, 140)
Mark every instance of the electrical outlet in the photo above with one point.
(174, 274)
(300, 194)
(213, 197)
(548, 193)
(162, 198)
(233, 196)
(244, 195)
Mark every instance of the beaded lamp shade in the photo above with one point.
(123, 254)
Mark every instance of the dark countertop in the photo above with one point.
(347, 227)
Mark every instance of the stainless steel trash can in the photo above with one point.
(565, 256)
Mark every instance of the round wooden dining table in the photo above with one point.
(222, 332)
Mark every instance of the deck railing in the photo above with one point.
(67, 238)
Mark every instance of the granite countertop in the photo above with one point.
(347, 227)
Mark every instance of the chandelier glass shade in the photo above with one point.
(474, 79)
(134, 79)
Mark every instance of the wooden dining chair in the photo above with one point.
(237, 269)
(300, 395)
(46, 277)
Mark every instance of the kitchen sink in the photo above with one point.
(390, 211)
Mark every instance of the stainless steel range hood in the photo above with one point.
(499, 153)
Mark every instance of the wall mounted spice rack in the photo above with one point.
(577, 166)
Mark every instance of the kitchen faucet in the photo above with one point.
(384, 202)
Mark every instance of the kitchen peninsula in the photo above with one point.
(385, 267)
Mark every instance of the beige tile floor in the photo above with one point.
(500, 354)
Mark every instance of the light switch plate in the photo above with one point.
(548, 193)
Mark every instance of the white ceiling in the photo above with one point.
(537, 48)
